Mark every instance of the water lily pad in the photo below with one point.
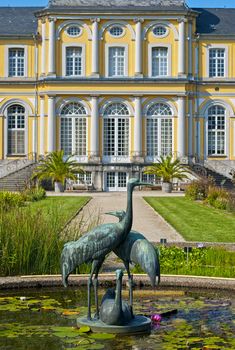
(84, 329)
(102, 336)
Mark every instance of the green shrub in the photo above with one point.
(218, 198)
(34, 194)
(198, 189)
(9, 200)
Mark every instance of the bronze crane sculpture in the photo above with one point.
(137, 249)
(96, 244)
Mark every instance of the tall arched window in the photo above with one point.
(216, 130)
(116, 130)
(16, 129)
(73, 129)
(159, 130)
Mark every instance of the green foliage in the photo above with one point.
(34, 194)
(9, 200)
(168, 169)
(57, 167)
(198, 189)
(30, 237)
(200, 262)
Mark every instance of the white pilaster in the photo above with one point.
(51, 124)
(190, 49)
(190, 127)
(181, 127)
(95, 47)
(51, 52)
(138, 47)
(34, 136)
(181, 53)
(94, 126)
(43, 52)
(138, 127)
(42, 126)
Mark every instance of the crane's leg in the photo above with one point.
(130, 281)
(89, 284)
(98, 265)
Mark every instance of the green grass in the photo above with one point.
(66, 206)
(195, 221)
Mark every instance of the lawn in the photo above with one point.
(66, 206)
(195, 221)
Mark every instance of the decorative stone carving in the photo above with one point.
(118, 3)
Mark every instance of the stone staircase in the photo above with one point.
(17, 180)
(220, 179)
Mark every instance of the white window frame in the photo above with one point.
(117, 25)
(6, 127)
(6, 71)
(74, 25)
(82, 158)
(156, 158)
(226, 53)
(226, 134)
(64, 46)
(163, 35)
(107, 47)
(150, 59)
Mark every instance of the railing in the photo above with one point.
(12, 166)
(221, 168)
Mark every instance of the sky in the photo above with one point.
(192, 3)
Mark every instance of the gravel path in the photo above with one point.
(145, 219)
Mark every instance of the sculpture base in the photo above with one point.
(139, 325)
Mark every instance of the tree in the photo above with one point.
(168, 169)
(57, 167)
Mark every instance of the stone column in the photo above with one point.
(51, 129)
(51, 51)
(138, 47)
(190, 49)
(42, 126)
(181, 127)
(43, 51)
(181, 51)
(94, 126)
(95, 47)
(190, 127)
(138, 127)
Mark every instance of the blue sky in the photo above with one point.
(193, 3)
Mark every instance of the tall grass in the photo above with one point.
(31, 242)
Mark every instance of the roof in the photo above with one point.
(158, 4)
(18, 20)
(216, 21)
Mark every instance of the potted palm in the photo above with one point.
(59, 168)
(167, 169)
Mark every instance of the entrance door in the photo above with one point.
(115, 181)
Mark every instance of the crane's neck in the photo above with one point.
(118, 295)
(129, 210)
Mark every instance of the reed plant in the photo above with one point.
(31, 242)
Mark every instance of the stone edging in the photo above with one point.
(19, 282)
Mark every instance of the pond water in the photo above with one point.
(46, 319)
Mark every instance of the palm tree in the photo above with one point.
(168, 169)
(59, 168)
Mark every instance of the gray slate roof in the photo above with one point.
(216, 21)
(18, 20)
(166, 4)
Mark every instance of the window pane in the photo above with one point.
(16, 63)
(16, 129)
(159, 61)
(152, 137)
(73, 61)
(116, 61)
(216, 130)
(216, 62)
(166, 137)
(109, 136)
(80, 136)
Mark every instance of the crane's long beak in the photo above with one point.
(111, 213)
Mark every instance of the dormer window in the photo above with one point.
(160, 31)
(116, 31)
(73, 31)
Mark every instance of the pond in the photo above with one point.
(46, 319)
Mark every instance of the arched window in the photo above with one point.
(159, 130)
(16, 129)
(116, 130)
(216, 130)
(73, 129)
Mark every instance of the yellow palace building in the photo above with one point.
(116, 84)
